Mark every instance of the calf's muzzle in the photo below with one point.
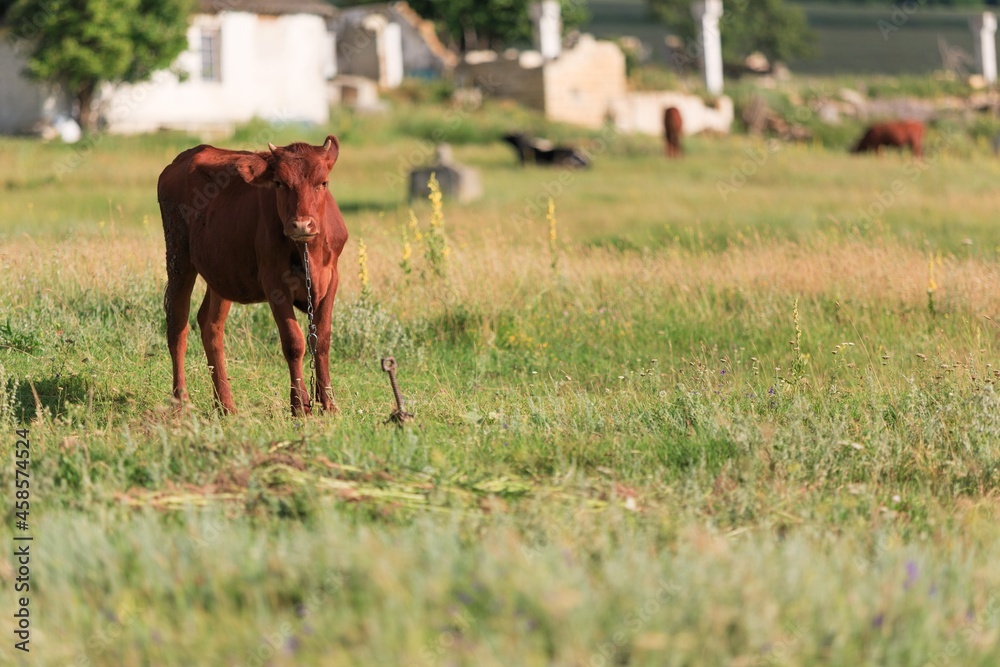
(301, 229)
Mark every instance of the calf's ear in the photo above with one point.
(254, 169)
(332, 148)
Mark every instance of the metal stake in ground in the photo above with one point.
(399, 415)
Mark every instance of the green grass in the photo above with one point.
(722, 431)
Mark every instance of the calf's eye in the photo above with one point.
(279, 184)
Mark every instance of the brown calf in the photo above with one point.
(897, 133)
(242, 220)
(672, 126)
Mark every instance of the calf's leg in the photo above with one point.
(212, 321)
(177, 295)
(322, 389)
(177, 305)
(293, 346)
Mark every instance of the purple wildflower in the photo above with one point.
(911, 574)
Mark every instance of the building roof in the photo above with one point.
(427, 31)
(271, 7)
(402, 10)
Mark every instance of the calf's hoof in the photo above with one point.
(301, 403)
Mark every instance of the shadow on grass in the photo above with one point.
(348, 207)
(54, 394)
(713, 453)
(27, 183)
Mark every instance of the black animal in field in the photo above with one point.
(544, 152)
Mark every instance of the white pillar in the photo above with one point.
(330, 59)
(547, 16)
(391, 43)
(707, 14)
(984, 30)
(388, 49)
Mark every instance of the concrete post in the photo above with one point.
(391, 46)
(984, 31)
(330, 59)
(388, 49)
(707, 14)
(547, 17)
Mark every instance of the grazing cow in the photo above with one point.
(672, 126)
(242, 221)
(544, 152)
(896, 133)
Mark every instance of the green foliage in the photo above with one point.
(773, 27)
(81, 44)
(16, 338)
(799, 99)
(911, 85)
(429, 124)
(422, 91)
(654, 77)
(985, 129)
(489, 24)
(436, 248)
(365, 330)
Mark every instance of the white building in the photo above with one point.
(246, 58)
(23, 104)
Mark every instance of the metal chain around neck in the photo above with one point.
(311, 336)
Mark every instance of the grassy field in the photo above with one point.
(741, 412)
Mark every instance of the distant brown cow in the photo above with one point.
(242, 220)
(672, 126)
(897, 133)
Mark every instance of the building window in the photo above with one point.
(211, 62)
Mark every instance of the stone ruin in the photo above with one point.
(457, 181)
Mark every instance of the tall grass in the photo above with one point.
(719, 432)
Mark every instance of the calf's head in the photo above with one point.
(299, 174)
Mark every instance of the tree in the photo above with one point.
(488, 24)
(773, 27)
(80, 44)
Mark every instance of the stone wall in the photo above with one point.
(586, 85)
(582, 83)
(357, 52)
(577, 87)
(643, 112)
(505, 78)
